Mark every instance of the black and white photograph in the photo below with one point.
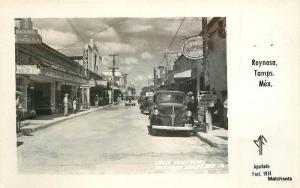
(121, 95)
(143, 94)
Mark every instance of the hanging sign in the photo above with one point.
(205, 98)
(193, 48)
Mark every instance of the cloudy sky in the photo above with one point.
(140, 42)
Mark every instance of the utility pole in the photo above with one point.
(208, 115)
(154, 79)
(113, 70)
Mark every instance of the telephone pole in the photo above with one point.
(113, 70)
(154, 79)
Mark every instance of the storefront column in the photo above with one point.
(52, 97)
(88, 97)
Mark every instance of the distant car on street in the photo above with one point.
(170, 113)
(146, 104)
(130, 101)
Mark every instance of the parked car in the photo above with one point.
(170, 113)
(146, 104)
(130, 101)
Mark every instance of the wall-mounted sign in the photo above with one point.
(193, 48)
(27, 69)
(26, 36)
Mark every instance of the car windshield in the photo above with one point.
(149, 99)
(129, 97)
(169, 98)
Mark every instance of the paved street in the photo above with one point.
(115, 141)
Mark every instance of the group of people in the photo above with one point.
(218, 108)
(74, 103)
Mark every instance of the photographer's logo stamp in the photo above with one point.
(261, 140)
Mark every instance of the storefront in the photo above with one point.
(43, 83)
(99, 93)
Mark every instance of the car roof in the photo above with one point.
(167, 91)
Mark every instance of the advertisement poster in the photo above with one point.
(150, 94)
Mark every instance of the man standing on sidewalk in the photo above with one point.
(66, 105)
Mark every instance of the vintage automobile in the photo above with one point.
(130, 101)
(170, 113)
(146, 104)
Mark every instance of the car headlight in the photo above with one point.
(156, 112)
(189, 113)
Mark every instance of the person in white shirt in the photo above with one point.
(66, 105)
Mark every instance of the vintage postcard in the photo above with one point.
(195, 94)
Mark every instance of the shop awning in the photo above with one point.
(101, 83)
(40, 71)
(185, 74)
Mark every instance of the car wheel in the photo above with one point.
(189, 133)
(153, 132)
(149, 130)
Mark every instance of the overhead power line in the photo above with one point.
(173, 39)
(82, 38)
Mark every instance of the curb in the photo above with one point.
(206, 140)
(211, 139)
(27, 131)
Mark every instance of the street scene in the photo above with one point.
(121, 95)
(115, 140)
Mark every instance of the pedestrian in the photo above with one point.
(66, 104)
(18, 113)
(225, 113)
(96, 100)
(74, 105)
(78, 103)
(218, 112)
(190, 102)
(212, 107)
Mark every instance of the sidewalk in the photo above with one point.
(217, 138)
(44, 121)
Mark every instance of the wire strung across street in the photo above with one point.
(82, 38)
(173, 39)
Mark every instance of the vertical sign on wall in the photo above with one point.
(85, 60)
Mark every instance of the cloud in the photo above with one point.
(125, 69)
(138, 43)
(57, 39)
(115, 47)
(190, 26)
(133, 27)
(140, 78)
(105, 34)
(146, 55)
(130, 61)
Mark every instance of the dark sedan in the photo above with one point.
(170, 113)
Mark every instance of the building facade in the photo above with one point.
(44, 76)
(205, 74)
(95, 91)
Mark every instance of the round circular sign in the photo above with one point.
(193, 48)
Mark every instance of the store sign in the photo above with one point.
(27, 36)
(101, 82)
(193, 48)
(27, 69)
(205, 98)
(85, 60)
(60, 75)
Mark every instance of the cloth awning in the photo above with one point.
(184, 74)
